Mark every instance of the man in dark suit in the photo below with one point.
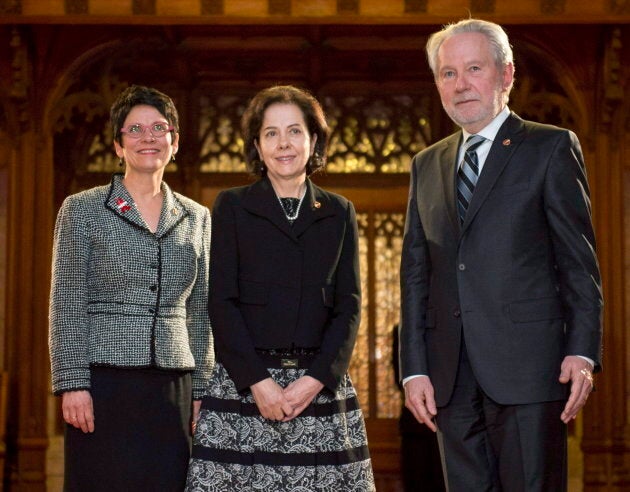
(501, 294)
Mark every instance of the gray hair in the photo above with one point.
(495, 34)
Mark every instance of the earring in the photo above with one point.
(173, 157)
(121, 162)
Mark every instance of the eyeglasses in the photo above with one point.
(157, 129)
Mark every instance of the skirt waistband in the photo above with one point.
(296, 358)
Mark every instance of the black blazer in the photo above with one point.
(274, 285)
(520, 275)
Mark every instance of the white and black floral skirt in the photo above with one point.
(324, 449)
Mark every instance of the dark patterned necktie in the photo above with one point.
(467, 175)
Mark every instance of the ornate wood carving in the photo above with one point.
(612, 92)
(348, 6)
(143, 7)
(212, 7)
(10, 6)
(482, 6)
(552, 7)
(76, 7)
(415, 6)
(279, 7)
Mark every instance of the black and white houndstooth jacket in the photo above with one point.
(123, 296)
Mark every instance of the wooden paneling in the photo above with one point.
(52, 78)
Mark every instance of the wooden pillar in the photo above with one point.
(29, 226)
(606, 426)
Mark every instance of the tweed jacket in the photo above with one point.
(123, 296)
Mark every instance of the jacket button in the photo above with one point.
(153, 288)
(154, 266)
(457, 313)
(461, 266)
(151, 310)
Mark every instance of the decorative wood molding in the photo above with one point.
(21, 79)
(79, 7)
(612, 91)
(143, 7)
(10, 7)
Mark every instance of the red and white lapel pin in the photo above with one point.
(122, 205)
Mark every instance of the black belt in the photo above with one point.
(287, 358)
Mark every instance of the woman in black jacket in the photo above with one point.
(280, 409)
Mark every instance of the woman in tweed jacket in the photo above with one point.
(130, 338)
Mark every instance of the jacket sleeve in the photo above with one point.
(68, 324)
(234, 345)
(340, 335)
(198, 320)
(568, 212)
(415, 271)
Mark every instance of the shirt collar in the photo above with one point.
(490, 131)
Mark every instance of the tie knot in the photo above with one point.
(473, 142)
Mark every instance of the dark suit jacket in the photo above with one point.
(520, 275)
(273, 285)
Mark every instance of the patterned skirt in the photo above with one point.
(324, 449)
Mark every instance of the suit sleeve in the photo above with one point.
(339, 337)
(233, 343)
(415, 270)
(568, 211)
(68, 324)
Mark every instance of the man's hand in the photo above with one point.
(420, 400)
(580, 373)
(77, 409)
(270, 399)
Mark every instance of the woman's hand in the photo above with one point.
(196, 408)
(271, 400)
(300, 394)
(77, 409)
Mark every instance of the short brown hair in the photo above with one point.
(314, 118)
(137, 95)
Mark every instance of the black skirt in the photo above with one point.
(324, 449)
(141, 438)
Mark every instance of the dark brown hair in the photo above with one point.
(314, 118)
(139, 95)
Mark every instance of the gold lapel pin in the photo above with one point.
(507, 142)
(174, 211)
(317, 205)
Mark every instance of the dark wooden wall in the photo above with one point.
(60, 68)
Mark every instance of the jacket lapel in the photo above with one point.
(119, 201)
(261, 200)
(173, 212)
(315, 206)
(505, 143)
(447, 159)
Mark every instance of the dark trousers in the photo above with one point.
(420, 456)
(486, 446)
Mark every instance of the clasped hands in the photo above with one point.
(420, 400)
(284, 404)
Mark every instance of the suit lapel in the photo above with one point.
(505, 143)
(120, 202)
(261, 200)
(315, 206)
(447, 159)
(173, 212)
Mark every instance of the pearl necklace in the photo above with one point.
(290, 217)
